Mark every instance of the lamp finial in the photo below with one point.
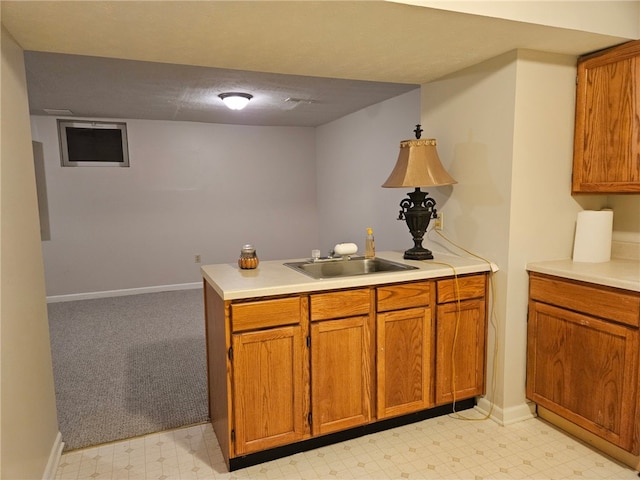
(418, 132)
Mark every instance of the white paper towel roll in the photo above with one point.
(593, 236)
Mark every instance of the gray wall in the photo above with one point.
(355, 155)
(192, 188)
(207, 189)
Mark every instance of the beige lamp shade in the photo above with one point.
(418, 165)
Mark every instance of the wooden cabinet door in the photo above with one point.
(268, 388)
(607, 128)
(585, 370)
(460, 350)
(341, 365)
(404, 361)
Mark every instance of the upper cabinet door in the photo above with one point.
(606, 155)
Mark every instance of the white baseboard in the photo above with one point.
(506, 416)
(54, 458)
(120, 293)
(631, 237)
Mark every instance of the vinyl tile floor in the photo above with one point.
(439, 448)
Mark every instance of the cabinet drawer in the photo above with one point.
(340, 304)
(407, 295)
(265, 314)
(596, 300)
(464, 288)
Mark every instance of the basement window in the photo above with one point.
(93, 144)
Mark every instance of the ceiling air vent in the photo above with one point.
(58, 111)
(298, 101)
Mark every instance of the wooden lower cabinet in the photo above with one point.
(460, 358)
(341, 363)
(405, 348)
(341, 359)
(268, 389)
(404, 361)
(461, 331)
(581, 366)
(293, 368)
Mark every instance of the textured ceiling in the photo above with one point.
(116, 88)
(370, 46)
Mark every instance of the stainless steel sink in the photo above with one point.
(347, 268)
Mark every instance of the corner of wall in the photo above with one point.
(506, 416)
(54, 458)
(29, 421)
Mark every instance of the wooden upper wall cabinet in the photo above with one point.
(606, 154)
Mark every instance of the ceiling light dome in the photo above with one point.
(235, 100)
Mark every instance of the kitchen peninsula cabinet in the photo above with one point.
(269, 373)
(341, 359)
(296, 363)
(461, 331)
(405, 348)
(607, 127)
(582, 356)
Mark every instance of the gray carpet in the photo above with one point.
(127, 366)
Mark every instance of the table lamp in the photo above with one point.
(418, 165)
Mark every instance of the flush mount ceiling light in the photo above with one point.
(235, 100)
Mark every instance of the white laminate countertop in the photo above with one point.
(274, 278)
(618, 273)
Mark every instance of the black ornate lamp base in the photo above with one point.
(418, 254)
(417, 211)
